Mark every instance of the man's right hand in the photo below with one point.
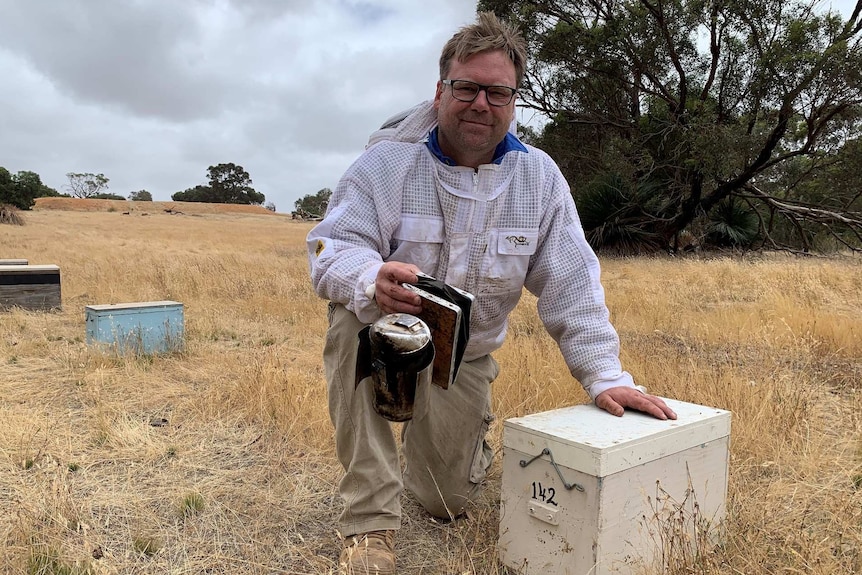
(391, 296)
(616, 399)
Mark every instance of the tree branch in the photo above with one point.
(808, 212)
(657, 12)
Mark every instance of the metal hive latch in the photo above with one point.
(566, 484)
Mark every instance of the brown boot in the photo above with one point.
(370, 553)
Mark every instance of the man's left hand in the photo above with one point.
(616, 399)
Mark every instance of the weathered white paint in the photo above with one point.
(634, 472)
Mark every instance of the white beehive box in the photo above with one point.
(587, 493)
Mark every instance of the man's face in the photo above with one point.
(470, 131)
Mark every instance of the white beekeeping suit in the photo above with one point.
(491, 231)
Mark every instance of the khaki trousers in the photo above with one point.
(444, 447)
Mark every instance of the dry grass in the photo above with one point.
(242, 478)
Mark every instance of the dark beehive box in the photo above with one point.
(30, 287)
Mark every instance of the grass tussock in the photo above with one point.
(10, 215)
(219, 458)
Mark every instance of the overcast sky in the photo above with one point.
(152, 92)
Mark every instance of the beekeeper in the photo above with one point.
(450, 191)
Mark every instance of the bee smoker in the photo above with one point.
(397, 353)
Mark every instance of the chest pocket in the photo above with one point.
(507, 259)
(418, 241)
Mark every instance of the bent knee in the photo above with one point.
(447, 504)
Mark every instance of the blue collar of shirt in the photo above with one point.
(509, 144)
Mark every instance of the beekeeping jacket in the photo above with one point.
(491, 231)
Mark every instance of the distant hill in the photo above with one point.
(88, 205)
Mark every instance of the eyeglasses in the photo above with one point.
(466, 91)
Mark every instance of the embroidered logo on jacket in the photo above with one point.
(518, 240)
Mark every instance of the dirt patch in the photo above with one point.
(90, 205)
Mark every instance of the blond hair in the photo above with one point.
(488, 34)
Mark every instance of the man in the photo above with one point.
(450, 192)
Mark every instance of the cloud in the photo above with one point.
(124, 55)
(151, 93)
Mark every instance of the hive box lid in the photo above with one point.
(136, 306)
(31, 269)
(588, 439)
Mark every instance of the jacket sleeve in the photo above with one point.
(346, 249)
(565, 276)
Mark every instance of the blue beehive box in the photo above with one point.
(141, 327)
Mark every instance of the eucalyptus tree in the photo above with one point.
(141, 196)
(228, 184)
(22, 189)
(709, 117)
(231, 184)
(86, 185)
(313, 205)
